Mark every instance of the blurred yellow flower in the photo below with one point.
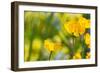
(77, 55)
(77, 27)
(85, 22)
(87, 39)
(88, 55)
(51, 46)
(74, 27)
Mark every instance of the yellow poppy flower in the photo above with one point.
(87, 39)
(77, 55)
(74, 27)
(77, 27)
(85, 22)
(49, 45)
(81, 29)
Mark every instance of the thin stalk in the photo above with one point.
(50, 55)
(30, 50)
(73, 49)
(83, 49)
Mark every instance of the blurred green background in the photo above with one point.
(49, 26)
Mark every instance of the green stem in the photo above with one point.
(30, 50)
(50, 55)
(83, 49)
(73, 49)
